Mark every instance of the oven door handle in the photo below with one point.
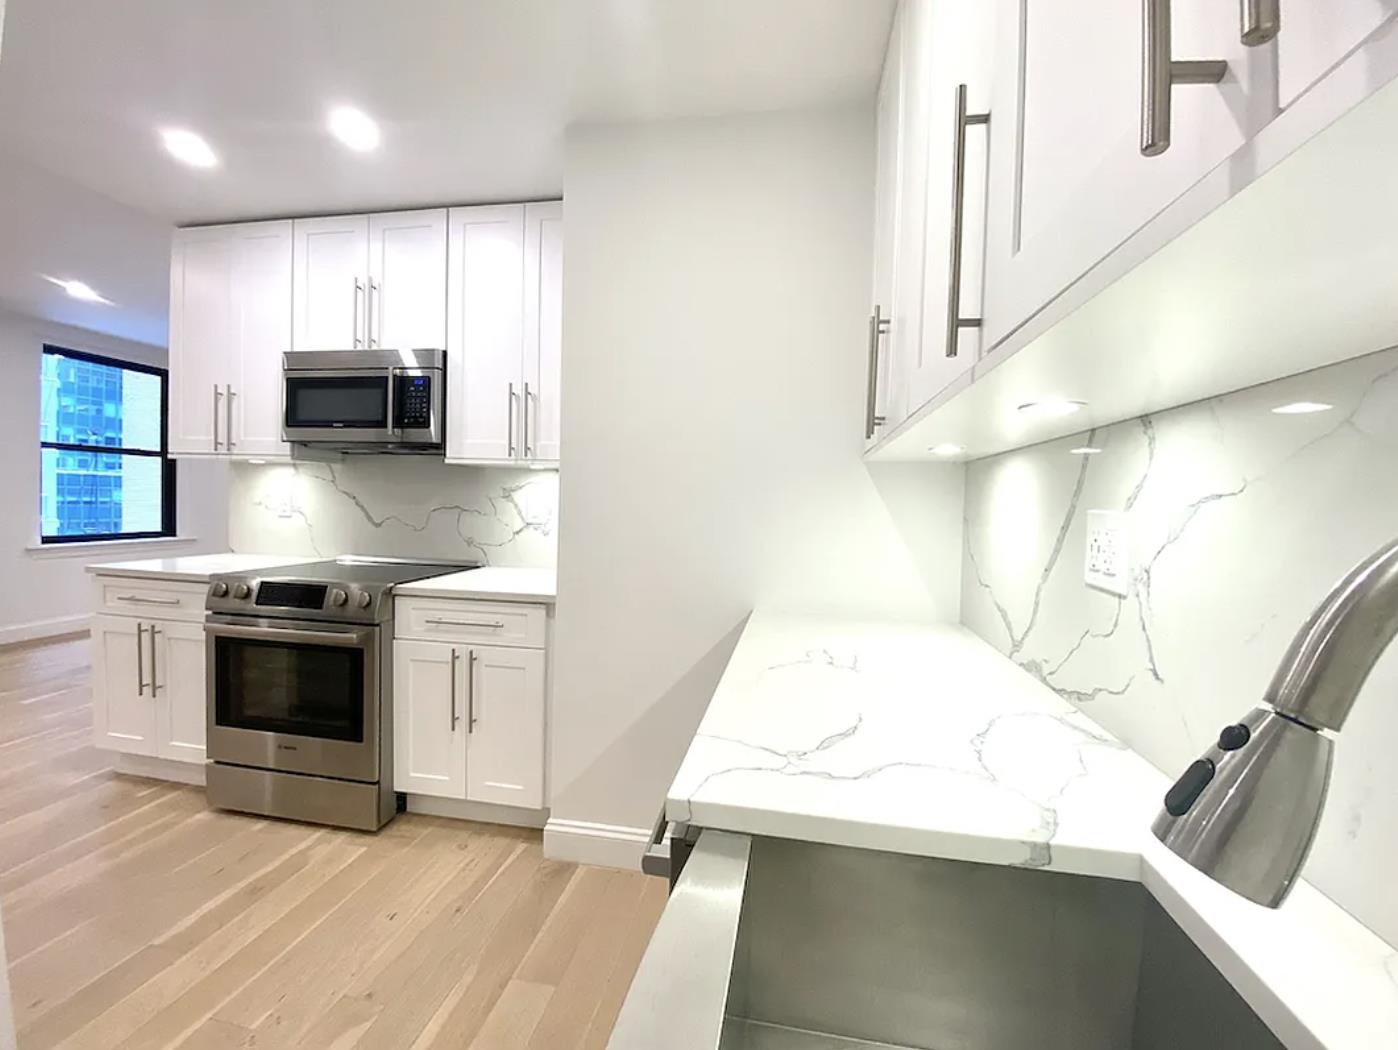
(355, 639)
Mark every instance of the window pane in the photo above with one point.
(86, 403)
(99, 493)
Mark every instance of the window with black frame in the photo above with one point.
(104, 469)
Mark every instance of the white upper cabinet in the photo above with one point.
(485, 333)
(1069, 182)
(886, 201)
(542, 418)
(330, 281)
(1317, 34)
(201, 337)
(957, 42)
(261, 334)
(230, 321)
(406, 305)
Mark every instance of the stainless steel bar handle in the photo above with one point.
(512, 420)
(358, 288)
(1161, 72)
(528, 448)
(136, 599)
(470, 690)
(493, 624)
(228, 417)
(878, 325)
(1261, 21)
(217, 395)
(154, 685)
(955, 322)
(369, 314)
(140, 661)
(454, 719)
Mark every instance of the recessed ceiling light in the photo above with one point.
(188, 148)
(1085, 450)
(1050, 408)
(1301, 408)
(78, 290)
(947, 448)
(355, 128)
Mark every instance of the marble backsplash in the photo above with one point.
(1240, 520)
(395, 506)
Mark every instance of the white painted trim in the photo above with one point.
(484, 812)
(82, 550)
(602, 845)
(58, 626)
(160, 769)
(7, 1013)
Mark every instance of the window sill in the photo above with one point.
(84, 550)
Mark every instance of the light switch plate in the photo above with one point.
(1107, 560)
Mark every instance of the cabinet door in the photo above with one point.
(329, 282)
(429, 719)
(886, 199)
(505, 721)
(201, 337)
(408, 280)
(543, 330)
(123, 710)
(177, 674)
(1316, 34)
(485, 332)
(261, 333)
(1068, 180)
(958, 40)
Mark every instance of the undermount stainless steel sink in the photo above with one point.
(771, 944)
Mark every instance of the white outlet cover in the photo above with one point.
(1107, 559)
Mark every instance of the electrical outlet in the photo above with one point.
(1107, 560)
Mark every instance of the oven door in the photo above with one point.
(345, 407)
(295, 697)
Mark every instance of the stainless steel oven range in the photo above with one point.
(300, 682)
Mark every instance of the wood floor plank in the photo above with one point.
(139, 919)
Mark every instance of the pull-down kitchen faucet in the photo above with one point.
(1246, 812)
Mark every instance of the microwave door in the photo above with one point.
(341, 407)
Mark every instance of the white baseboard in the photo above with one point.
(28, 632)
(160, 769)
(460, 809)
(602, 845)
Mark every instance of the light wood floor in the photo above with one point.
(136, 917)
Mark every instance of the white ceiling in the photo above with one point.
(473, 97)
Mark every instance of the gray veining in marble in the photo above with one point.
(396, 507)
(1240, 520)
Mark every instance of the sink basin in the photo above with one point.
(772, 944)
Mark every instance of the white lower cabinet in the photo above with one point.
(468, 719)
(148, 687)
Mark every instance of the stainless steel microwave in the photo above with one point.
(365, 400)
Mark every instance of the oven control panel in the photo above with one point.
(291, 595)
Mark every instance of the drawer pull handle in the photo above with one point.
(136, 599)
(1162, 72)
(955, 322)
(492, 624)
(1261, 21)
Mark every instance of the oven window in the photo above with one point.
(303, 690)
(359, 401)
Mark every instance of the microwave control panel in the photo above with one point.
(414, 408)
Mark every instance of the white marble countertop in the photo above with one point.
(195, 568)
(923, 739)
(488, 584)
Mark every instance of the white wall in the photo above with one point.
(47, 591)
(715, 295)
(1240, 521)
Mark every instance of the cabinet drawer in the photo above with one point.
(151, 599)
(483, 623)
